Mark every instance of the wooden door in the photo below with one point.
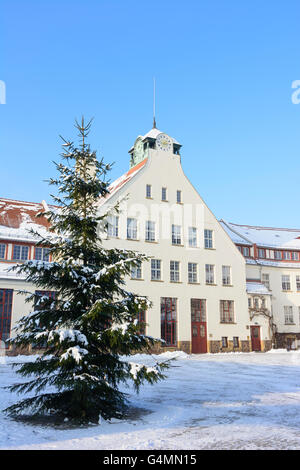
(255, 338)
(198, 324)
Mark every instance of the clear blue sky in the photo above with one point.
(223, 68)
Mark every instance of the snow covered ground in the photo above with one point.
(221, 401)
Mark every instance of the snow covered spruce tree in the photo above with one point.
(88, 325)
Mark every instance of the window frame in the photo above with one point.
(132, 231)
(21, 246)
(192, 273)
(208, 239)
(227, 315)
(157, 269)
(210, 274)
(174, 271)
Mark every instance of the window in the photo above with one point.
(155, 269)
(113, 226)
(20, 252)
(261, 253)
(286, 255)
(5, 313)
(294, 255)
(265, 278)
(286, 283)
(163, 194)
(198, 310)
(226, 311)
(169, 320)
(192, 273)
(209, 274)
(263, 302)
(236, 342)
(136, 271)
(178, 196)
(131, 229)
(298, 283)
(2, 250)
(150, 231)
(42, 254)
(288, 315)
(141, 318)
(148, 190)
(277, 254)
(208, 238)
(256, 302)
(176, 235)
(246, 251)
(226, 275)
(174, 271)
(192, 236)
(249, 302)
(224, 342)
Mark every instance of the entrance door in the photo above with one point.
(198, 323)
(255, 338)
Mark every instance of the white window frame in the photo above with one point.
(210, 274)
(286, 282)
(288, 315)
(193, 273)
(265, 279)
(132, 231)
(113, 226)
(174, 271)
(176, 234)
(156, 271)
(192, 237)
(226, 276)
(208, 239)
(150, 231)
(136, 271)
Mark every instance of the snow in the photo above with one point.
(257, 288)
(209, 401)
(264, 236)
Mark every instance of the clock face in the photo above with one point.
(164, 142)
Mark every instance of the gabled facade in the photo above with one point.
(196, 276)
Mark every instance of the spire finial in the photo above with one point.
(154, 121)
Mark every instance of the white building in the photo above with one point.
(273, 260)
(196, 277)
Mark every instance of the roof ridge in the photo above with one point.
(259, 227)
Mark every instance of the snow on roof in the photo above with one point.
(17, 218)
(122, 180)
(257, 288)
(271, 237)
(152, 134)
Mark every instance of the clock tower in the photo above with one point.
(156, 140)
